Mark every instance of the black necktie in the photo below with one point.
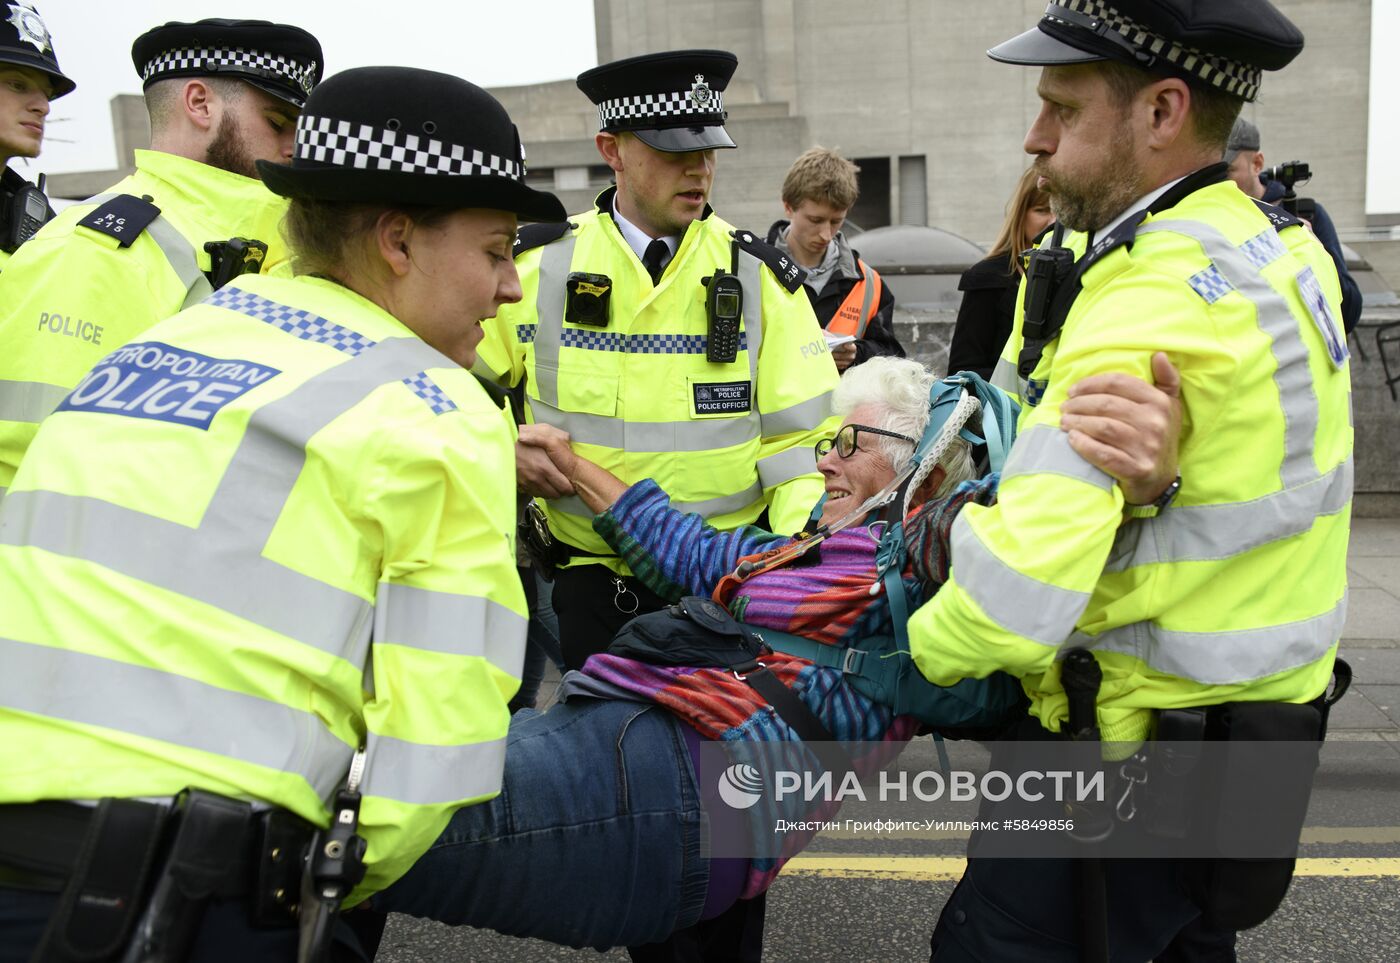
(655, 257)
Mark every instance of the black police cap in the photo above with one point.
(401, 135)
(1224, 44)
(672, 101)
(282, 60)
(25, 42)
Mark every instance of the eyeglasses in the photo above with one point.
(846, 444)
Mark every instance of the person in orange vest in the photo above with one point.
(849, 297)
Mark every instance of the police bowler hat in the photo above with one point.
(281, 60)
(1224, 44)
(25, 42)
(672, 101)
(401, 135)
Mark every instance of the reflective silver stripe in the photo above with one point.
(452, 624)
(751, 280)
(1017, 602)
(1293, 378)
(786, 465)
(423, 775)
(158, 551)
(1007, 378)
(146, 702)
(709, 508)
(648, 436)
(178, 251)
(555, 260)
(239, 519)
(803, 416)
(1045, 449)
(262, 473)
(29, 401)
(1224, 658)
(1192, 533)
(725, 504)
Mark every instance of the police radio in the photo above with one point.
(1046, 269)
(24, 212)
(724, 306)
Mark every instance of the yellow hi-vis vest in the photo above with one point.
(639, 397)
(276, 528)
(72, 294)
(1237, 590)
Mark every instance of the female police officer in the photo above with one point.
(265, 552)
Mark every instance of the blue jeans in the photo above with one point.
(541, 638)
(595, 839)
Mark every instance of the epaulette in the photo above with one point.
(123, 217)
(536, 235)
(789, 274)
(1277, 216)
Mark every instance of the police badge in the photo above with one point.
(29, 25)
(700, 92)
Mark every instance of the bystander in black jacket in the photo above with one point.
(879, 333)
(1326, 232)
(985, 315)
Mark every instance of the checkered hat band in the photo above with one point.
(658, 106)
(345, 143)
(1231, 76)
(218, 60)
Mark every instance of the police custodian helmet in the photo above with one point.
(672, 101)
(1223, 44)
(278, 59)
(401, 135)
(25, 42)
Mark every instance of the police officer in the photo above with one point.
(249, 501)
(667, 343)
(1231, 587)
(221, 94)
(29, 79)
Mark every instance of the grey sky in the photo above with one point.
(490, 42)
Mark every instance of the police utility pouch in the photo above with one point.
(205, 858)
(587, 299)
(107, 886)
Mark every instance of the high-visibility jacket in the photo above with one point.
(860, 305)
(275, 528)
(72, 294)
(1237, 590)
(639, 397)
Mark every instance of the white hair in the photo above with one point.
(899, 388)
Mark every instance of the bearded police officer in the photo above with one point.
(668, 344)
(1232, 587)
(222, 94)
(29, 79)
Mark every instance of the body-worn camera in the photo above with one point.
(1290, 173)
(587, 299)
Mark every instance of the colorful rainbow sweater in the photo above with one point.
(826, 596)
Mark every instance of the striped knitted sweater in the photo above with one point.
(826, 596)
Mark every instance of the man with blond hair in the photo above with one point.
(848, 296)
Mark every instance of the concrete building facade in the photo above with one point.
(905, 88)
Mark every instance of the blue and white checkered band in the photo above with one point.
(1231, 76)
(345, 143)
(218, 60)
(701, 102)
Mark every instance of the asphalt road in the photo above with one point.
(868, 897)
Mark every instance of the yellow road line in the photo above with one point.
(933, 868)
